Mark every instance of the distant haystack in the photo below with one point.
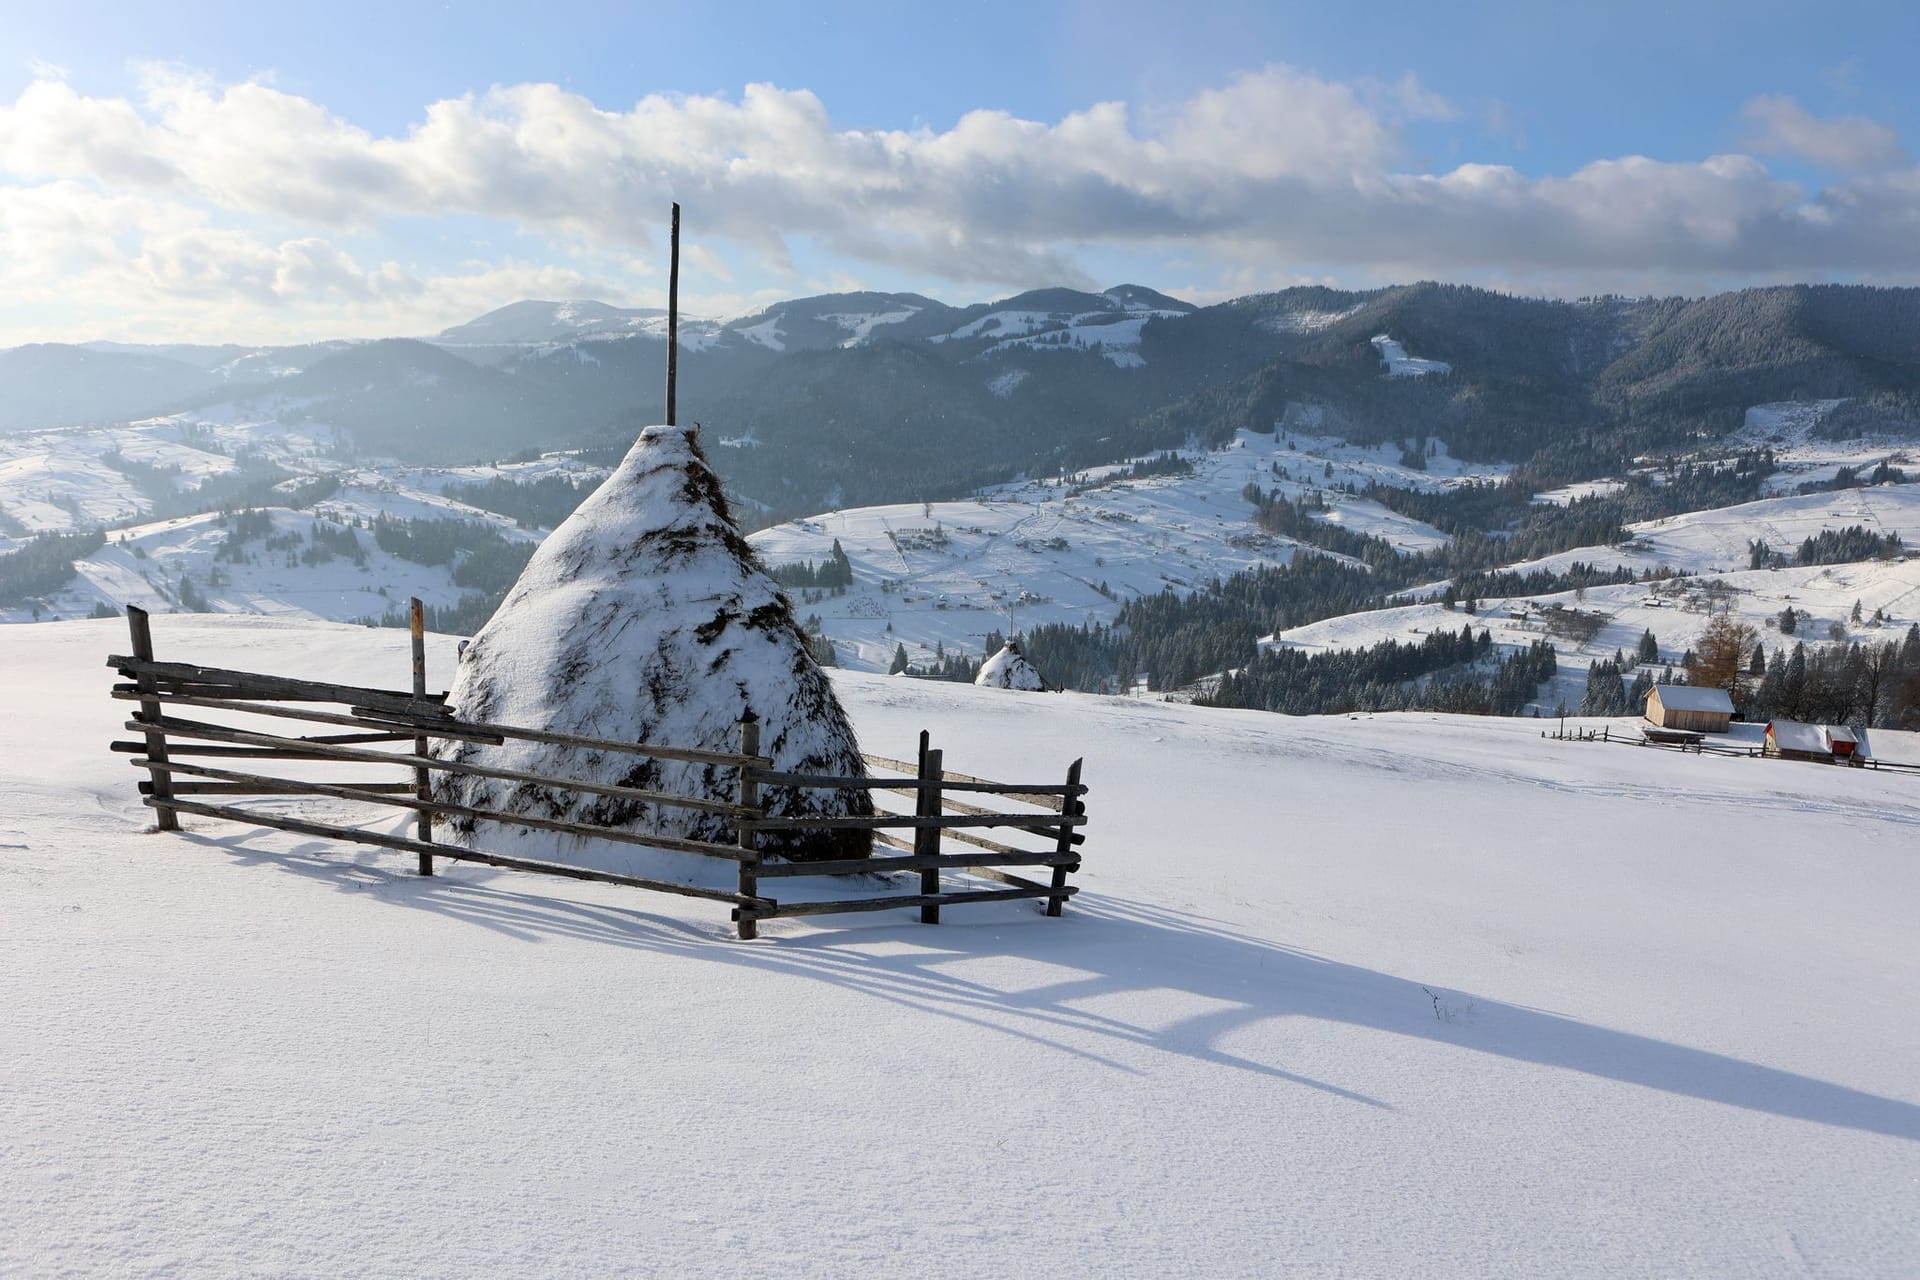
(644, 617)
(1009, 669)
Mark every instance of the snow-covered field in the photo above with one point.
(1406, 995)
(1719, 540)
(1787, 428)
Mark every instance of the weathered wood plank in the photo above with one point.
(1007, 877)
(907, 900)
(926, 840)
(422, 778)
(141, 633)
(129, 747)
(399, 730)
(221, 733)
(1022, 821)
(1047, 795)
(385, 793)
(905, 786)
(912, 862)
(465, 730)
(1073, 809)
(264, 787)
(981, 842)
(747, 924)
(281, 686)
(350, 835)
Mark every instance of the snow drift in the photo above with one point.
(1009, 669)
(645, 617)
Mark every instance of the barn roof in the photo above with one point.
(1791, 735)
(1895, 746)
(1690, 697)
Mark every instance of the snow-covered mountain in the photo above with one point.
(533, 322)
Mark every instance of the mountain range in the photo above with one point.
(844, 399)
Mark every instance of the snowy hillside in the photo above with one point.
(1401, 365)
(1712, 547)
(948, 573)
(1675, 611)
(1390, 996)
(1787, 428)
(59, 481)
(1718, 540)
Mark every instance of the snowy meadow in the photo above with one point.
(1398, 995)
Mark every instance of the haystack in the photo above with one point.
(1009, 669)
(645, 617)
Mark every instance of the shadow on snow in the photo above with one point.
(1110, 947)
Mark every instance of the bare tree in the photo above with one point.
(1719, 656)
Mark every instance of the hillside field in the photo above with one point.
(1395, 995)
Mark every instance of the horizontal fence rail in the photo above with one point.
(193, 765)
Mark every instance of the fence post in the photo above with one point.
(749, 802)
(165, 819)
(422, 778)
(1070, 807)
(926, 840)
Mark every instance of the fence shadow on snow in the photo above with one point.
(1239, 980)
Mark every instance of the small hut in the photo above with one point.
(1693, 707)
(1009, 669)
(1819, 743)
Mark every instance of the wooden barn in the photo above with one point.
(1691, 707)
(1820, 743)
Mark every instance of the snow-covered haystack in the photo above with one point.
(1009, 669)
(645, 618)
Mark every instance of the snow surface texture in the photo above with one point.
(1391, 996)
(1009, 669)
(644, 618)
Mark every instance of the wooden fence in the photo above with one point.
(199, 766)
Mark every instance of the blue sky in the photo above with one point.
(1259, 145)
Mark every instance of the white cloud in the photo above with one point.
(251, 204)
(1848, 144)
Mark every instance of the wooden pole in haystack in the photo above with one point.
(673, 313)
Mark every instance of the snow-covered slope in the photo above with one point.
(1401, 365)
(948, 573)
(1384, 996)
(1675, 611)
(1718, 540)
